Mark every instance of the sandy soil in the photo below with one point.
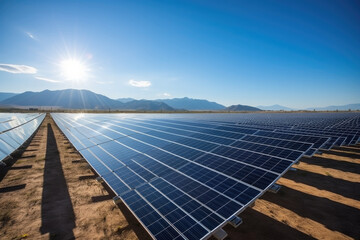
(51, 193)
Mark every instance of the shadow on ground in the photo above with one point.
(12, 188)
(348, 153)
(334, 164)
(259, 226)
(316, 208)
(57, 214)
(354, 149)
(339, 186)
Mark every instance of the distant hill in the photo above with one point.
(125, 100)
(4, 95)
(147, 105)
(192, 104)
(355, 106)
(239, 108)
(78, 99)
(275, 107)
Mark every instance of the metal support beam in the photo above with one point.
(116, 200)
(274, 188)
(100, 179)
(235, 221)
(220, 234)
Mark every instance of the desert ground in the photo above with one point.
(49, 192)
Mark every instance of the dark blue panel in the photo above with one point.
(167, 158)
(129, 177)
(115, 183)
(106, 158)
(183, 151)
(99, 167)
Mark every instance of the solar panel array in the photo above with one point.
(15, 129)
(184, 176)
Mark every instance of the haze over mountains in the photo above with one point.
(355, 106)
(275, 107)
(125, 100)
(85, 99)
(346, 107)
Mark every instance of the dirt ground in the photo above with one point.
(50, 193)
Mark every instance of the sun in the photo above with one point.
(73, 69)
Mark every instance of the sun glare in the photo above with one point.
(74, 70)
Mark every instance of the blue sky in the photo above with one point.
(294, 53)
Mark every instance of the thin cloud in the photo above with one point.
(30, 35)
(166, 94)
(47, 79)
(141, 84)
(12, 68)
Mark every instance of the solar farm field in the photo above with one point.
(192, 176)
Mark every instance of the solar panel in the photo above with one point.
(338, 130)
(244, 128)
(294, 145)
(184, 132)
(210, 130)
(334, 137)
(318, 142)
(15, 129)
(184, 176)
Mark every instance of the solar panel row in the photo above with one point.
(184, 176)
(15, 129)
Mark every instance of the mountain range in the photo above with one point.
(79, 99)
(346, 107)
(355, 106)
(85, 99)
(192, 104)
(185, 103)
(69, 98)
